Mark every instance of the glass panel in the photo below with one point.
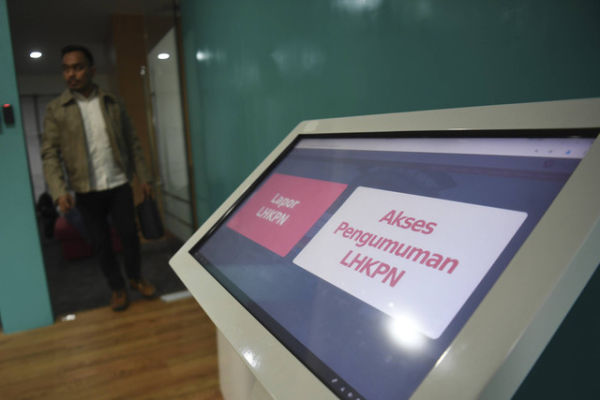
(164, 97)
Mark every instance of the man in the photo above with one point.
(89, 146)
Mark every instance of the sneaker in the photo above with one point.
(119, 300)
(144, 287)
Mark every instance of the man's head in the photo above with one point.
(78, 68)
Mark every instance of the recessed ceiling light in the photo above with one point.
(35, 54)
(163, 56)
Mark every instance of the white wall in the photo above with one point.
(170, 136)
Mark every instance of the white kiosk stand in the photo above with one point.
(387, 246)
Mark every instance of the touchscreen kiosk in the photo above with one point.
(399, 264)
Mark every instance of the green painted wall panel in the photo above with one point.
(257, 68)
(24, 299)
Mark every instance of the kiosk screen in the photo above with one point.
(365, 255)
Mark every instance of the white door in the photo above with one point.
(170, 136)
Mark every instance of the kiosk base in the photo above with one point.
(236, 380)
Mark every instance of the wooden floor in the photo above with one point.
(153, 350)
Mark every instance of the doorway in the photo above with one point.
(75, 281)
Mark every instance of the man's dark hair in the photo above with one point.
(75, 47)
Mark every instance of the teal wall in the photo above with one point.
(24, 300)
(273, 63)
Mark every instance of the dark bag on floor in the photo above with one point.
(150, 222)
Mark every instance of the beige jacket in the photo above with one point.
(64, 151)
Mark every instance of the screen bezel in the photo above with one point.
(192, 276)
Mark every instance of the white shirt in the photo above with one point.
(104, 172)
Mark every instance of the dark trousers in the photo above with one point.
(95, 209)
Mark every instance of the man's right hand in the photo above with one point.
(65, 203)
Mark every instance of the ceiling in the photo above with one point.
(48, 25)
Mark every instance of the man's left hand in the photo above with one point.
(146, 189)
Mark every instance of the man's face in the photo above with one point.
(77, 71)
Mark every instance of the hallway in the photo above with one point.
(78, 284)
